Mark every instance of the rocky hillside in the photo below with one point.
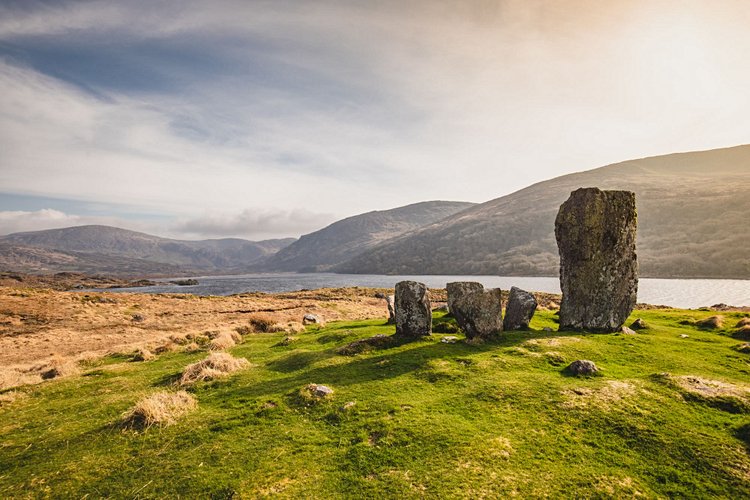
(111, 250)
(342, 240)
(693, 210)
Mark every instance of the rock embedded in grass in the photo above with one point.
(520, 309)
(413, 312)
(480, 314)
(595, 232)
(312, 319)
(639, 324)
(582, 367)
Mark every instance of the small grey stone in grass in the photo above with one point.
(639, 324)
(547, 329)
(628, 331)
(320, 391)
(312, 319)
(684, 336)
(450, 339)
(582, 367)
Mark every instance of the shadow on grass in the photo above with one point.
(378, 365)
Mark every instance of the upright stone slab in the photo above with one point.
(595, 233)
(390, 300)
(457, 289)
(520, 309)
(413, 313)
(480, 314)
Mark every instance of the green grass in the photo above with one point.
(430, 419)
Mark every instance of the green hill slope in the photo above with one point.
(425, 419)
(692, 210)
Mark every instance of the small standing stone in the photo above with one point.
(480, 314)
(520, 309)
(458, 289)
(413, 312)
(390, 301)
(595, 232)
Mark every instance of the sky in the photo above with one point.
(267, 119)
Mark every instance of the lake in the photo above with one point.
(680, 293)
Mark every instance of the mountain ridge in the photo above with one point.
(692, 208)
(323, 249)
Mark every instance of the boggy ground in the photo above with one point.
(669, 415)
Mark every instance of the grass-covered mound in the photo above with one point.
(667, 415)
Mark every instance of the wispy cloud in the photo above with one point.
(261, 224)
(193, 108)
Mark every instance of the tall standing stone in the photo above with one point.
(413, 313)
(480, 314)
(520, 309)
(595, 233)
(458, 289)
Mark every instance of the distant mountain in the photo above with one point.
(112, 250)
(693, 213)
(342, 240)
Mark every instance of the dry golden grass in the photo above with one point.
(713, 322)
(216, 365)
(56, 367)
(743, 322)
(38, 323)
(162, 408)
(143, 354)
(192, 347)
(221, 343)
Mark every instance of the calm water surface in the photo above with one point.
(671, 292)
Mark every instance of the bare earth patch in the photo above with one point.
(611, 392)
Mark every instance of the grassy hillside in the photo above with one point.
(428, 419)
(689, 208)
(344, 239)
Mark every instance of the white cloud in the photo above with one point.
(257, 225)
(344, 107)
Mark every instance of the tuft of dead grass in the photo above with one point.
(262, 323)
(742, 322)
(742, 333)
(221, 343)
(711, 323)
(143, 354)
(192, 347)
(216, 365)
(57, 367)
(161, 408)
